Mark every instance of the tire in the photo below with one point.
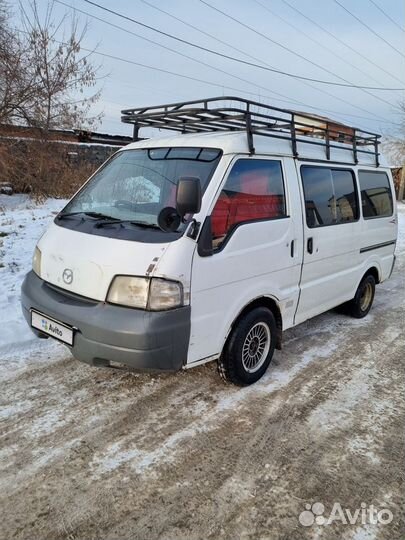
(249, 348)
(363, 299)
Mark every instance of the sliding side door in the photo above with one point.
(331, 230)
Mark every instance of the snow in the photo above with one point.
(72, 432)
(22, 223)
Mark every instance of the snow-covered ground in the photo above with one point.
(93, 453)
(22, 222)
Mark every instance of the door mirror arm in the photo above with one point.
(193, 229)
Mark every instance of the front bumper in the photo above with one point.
(106, 333)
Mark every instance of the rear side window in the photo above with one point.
(376, 196)
(254, 190)
(330, 196)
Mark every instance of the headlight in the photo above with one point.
(144, 293)
(129, 291)
(36, 261)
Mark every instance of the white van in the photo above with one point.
(206, 245)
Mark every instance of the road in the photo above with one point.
(89, 453)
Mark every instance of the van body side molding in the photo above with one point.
(377, 246)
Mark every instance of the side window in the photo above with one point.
(345, 195)
(318, 191)
(254, 190)
(330, 196)
(376, 196)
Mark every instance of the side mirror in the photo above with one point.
(188, 196)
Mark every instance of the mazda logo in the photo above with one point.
(67, 276)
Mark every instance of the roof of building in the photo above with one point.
(64, 135)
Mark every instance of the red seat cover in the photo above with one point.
(253, 201)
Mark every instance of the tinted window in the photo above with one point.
(253, 191)
(345, 196)
(376, 196)
(330, 196)
(318, 191)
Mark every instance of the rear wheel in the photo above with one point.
(250, 348)
(363, 299)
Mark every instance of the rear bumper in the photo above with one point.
(106, 333)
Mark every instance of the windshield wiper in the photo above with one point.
(126, 222)
(109, 220)
(97, 215)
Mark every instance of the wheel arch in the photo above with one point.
(372, 271)
(262, 301)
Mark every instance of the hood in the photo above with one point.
(85, 264)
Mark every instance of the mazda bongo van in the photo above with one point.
(207, 244)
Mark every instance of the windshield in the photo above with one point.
(136, 184)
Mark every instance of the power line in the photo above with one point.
(239, 50)
(250, 56)
(223, 43)
(210, 83)
(183, 55)
(368, 28)
(364, 57)
(298, 55)
(244, 52)
(215, 68)
(320, 44)
(308, 36)
(388, 17)
(239, 60)
(266, 37)
(205, 33)
(220, 85)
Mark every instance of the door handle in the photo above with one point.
(310, 245)
(292, 248)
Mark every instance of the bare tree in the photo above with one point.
(63, 76)
(17, 81)
(46, 81)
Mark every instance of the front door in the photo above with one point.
(257, 250)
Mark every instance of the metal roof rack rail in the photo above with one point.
(229, 113)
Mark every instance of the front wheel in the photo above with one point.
(250, 347)
(363, 299)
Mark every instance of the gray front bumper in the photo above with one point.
(143, 340)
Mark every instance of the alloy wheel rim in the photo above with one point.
(256, 347)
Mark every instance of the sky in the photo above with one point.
(126, 85)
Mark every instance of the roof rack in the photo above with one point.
(217, 114)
